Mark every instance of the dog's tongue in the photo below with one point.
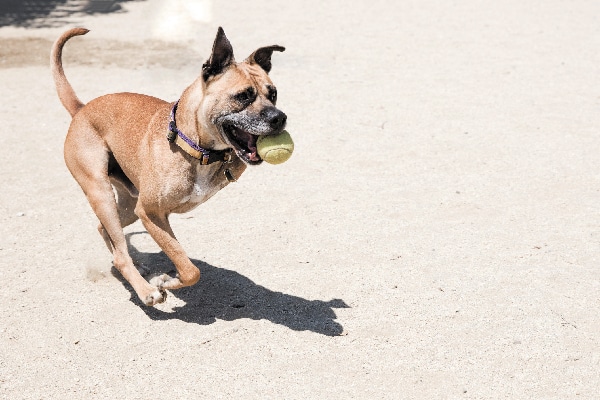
(252, 145)
(253, 154)
(249, 142)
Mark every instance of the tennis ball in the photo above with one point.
(275, 149)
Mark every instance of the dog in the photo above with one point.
(162, 158)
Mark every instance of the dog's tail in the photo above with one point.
(66, 94)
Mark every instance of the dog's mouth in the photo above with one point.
(244, 143)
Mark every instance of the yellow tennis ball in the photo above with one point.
(275, 149)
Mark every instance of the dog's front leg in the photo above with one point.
(157, 225)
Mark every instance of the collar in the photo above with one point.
(206, 156)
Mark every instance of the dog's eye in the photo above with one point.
(272, 95)
(246, 97)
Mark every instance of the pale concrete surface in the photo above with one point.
(435, 235)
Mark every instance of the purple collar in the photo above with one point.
(206, 156)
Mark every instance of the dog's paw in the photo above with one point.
(159, 280)
(165, 281)
(156, 297)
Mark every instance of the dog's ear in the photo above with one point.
(220, 58)
(262, 56)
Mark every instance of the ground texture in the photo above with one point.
(436, 234)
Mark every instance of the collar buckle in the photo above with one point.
(205, 156)
(227, 157)
(172, 133)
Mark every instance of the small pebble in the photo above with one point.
(20, 214)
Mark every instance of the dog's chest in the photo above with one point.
(207, 181)
(205, 185)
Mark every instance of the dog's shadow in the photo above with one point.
(53, 13)
(227, 295)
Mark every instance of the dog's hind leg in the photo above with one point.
(126, 201)
(87, 158)
(125, 206)
(126, 198)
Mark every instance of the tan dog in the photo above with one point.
(164, 158)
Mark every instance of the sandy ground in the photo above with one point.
(435, 235)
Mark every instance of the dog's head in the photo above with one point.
(240, 99)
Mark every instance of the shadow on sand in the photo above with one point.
(228, 295)
(52, 13)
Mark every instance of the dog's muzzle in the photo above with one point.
(243, 131)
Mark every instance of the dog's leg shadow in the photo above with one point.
(227, 295)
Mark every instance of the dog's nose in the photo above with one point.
(274, 117)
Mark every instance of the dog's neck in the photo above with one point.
(187, 121)
(188, 145)
(186, 133)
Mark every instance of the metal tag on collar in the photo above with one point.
(229, 176)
